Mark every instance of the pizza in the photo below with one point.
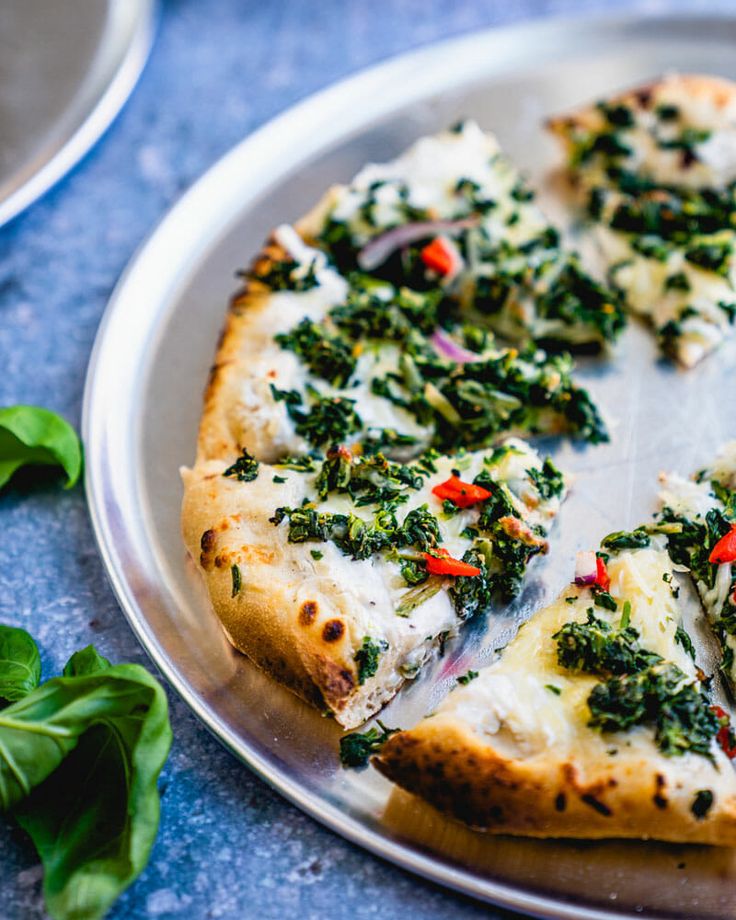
(595, 721)
(655, 170)
(700, 515)
(360, 487)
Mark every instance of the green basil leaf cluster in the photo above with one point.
(80, 757)
(31, 435)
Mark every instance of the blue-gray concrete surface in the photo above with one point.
(228, 846)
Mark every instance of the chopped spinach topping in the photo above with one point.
(683, 639)
(548, 479)
(327, 356)
(357, 537)
(413, 571)
(667, 112)
(687, 139)
(596, 647)
(329, 419)
(367, 657)
(368, 480)
(470, 595)
(303, 464)
(627, 539)
(677, 282)
(357, 747)
(662, 696)
(316, 554)
(553, 689)
(605, 600)
(284, 275)
(714, 256)
(378, 310)
(245, 468)
(466, 678)
(617, 114)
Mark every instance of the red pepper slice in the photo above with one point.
(439, 255)
(441, 563)
(724, 733)
(462, 494)
(602, 578)
(725, 548)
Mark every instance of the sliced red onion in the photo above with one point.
(586, 568)
(447, 347)
(382, 246)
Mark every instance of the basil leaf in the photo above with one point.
(86, 661)
(20, 664)
(79, 761)
(32, 435)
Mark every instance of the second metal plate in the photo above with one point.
(65, 71)
(143, 403)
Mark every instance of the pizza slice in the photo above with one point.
(594, 722)
(655, 168)
(339, 575)
(452, 215)
(309, 359)
(700, 514)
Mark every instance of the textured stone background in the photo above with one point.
(228, 846)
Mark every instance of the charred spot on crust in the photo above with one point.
(596, 805)
(307, 613)
(207, 543)
(644, 97)
(495, 813)
(660, 782)
(561, 802)
(336, 683)
(660, 801)
(333, 630)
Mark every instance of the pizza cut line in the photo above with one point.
(655, 170)
(700, 515)
(594, 722)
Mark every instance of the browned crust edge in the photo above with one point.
(444, 763)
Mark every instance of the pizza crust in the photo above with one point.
(446, 763)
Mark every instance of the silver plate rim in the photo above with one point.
(91, 121)
(101, 499)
